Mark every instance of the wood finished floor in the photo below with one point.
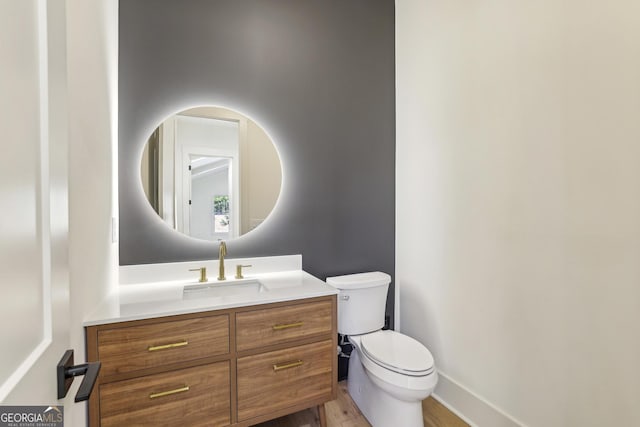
(342, 412)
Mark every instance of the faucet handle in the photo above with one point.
(239, 270)
(203, 274)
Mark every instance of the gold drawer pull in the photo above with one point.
(166, 346)
(169, 392)
(287, 326)
(287, 365)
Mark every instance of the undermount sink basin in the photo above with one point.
(223, 289)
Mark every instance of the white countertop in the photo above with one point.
(165, 298)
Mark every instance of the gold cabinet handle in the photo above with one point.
(278, 367)
(166, 346)
(169, 392)
(287, 326)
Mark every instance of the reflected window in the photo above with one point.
(221, 214)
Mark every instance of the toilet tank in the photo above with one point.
(362, 300)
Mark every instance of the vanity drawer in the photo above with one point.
(198, 396)
(129, 349)
(259, 328)
(279, 379)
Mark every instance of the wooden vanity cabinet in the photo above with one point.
(233, 367)
(280, 379)
(268, 326)
(197, 396)
(135, 348)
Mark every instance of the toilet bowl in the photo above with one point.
(398, 363)
(389, 373)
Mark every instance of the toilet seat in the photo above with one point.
(397, 352)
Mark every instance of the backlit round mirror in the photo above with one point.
(211, 173)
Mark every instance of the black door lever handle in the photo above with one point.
(67, 371)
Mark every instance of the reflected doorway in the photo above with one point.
(210, 195)
(209, 149)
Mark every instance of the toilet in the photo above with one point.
(389, 373)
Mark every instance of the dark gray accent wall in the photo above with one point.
(317, 75)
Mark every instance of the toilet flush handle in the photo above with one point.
(344, 297)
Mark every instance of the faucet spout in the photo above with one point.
(222, 252)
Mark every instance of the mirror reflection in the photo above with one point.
(211, 173)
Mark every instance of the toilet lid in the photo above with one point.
(397, 352)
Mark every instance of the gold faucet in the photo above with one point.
(239, 270)
(221, 254)
(203, 274)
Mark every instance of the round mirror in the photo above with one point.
(211, 173)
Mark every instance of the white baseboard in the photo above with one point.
(471, 408)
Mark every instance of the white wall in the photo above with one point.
(261, 177)
(92, 69)
(518, 205)
(204, 188)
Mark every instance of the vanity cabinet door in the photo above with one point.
(132, 348)
(261, 328)
(276, 380)
(198, 396)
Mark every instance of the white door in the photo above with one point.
(34, 290)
